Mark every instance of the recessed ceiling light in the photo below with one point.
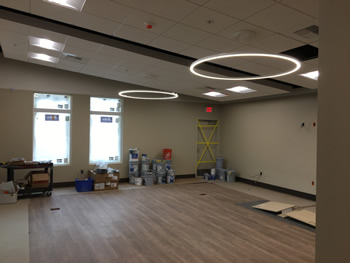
(71, 4)
(215, 94)
(45, 43)
(43, 57)
(241, 89)
(311, 75)
(294, 61)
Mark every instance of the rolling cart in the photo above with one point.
(47, 168)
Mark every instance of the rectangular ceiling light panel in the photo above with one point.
(76, 5)
(42, 57)
(215, 94)
(241, 89)
(45, 43)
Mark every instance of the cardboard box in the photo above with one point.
(39, 179)
(99, 186)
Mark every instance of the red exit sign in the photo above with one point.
(208, 109)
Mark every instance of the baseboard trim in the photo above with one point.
(277, 188)
(63, 184)
(121, 180)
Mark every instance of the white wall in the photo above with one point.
(148, 125)
(266, 136)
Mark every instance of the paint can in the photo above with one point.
(207, 177)
(231, 176)
(221, 174)
(212, 171)
(154, 164)
(167, 154)
(170, 179)
(161, 177)
(144, 157)
(131, 178)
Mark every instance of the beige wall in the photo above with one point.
(266, 136)
(148, 125)
(333, 145)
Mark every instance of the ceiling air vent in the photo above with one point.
(75, 58)
(310, 32)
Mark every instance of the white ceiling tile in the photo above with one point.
(80, 52)
(279, 18)
(101, 66)
(250, 49)
(14, 27)
(170, 9)
(107, 9)
(232, 32)
(55, 12)
(310, 7)
(22, 5)
(187, 34)
(97, 24)
(13, 37)
(41, 33)
(84, 44)
(238, 8)
(218, 44)
(197, 52)
(135, 34)
(68, 65)
(141, 19)
(15, 52)
(169, 44)
(106, 58)
(208, 20)
(277, 43)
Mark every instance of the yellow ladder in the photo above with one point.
(207, 142)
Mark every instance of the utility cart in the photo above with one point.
(45, 167)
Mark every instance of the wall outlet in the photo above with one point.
(260, 173)
(81, 171)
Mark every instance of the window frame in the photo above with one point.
(109, 113)
(47, 110)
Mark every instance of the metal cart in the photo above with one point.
(46, 166)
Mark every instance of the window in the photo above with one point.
(105, 130)
(51, 135)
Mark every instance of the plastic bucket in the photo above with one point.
(170, 179)
(207, 177)
(161, 177)
(138, 181)
(133, 166)
(145, 165)
(167, 154)
(219, 163)
(160, 166)
(131, 178)
(144, 157)
(231, 176)
(212, 171)
(134, 155)
(168, 165)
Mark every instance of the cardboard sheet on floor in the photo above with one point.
(304, 216)
(275, 207)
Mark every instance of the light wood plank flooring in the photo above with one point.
(200, 222)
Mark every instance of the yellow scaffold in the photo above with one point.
(207, 142)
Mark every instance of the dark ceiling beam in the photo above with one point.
(112, 41)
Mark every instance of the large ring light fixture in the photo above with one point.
(233, 55)
(124, 93)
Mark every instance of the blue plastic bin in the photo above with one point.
(84, 185)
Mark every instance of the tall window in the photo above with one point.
(51, 136)
(105, 130)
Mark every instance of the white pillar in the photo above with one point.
(333, 145)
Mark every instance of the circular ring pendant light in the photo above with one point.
(125, 94)
(296, 63)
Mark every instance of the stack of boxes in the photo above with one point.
(105, 181)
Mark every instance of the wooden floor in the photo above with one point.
(175, 223)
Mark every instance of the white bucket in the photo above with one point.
(138, 181)
(144, 166)
(170, 179)
(160, 166)
(134, 155)
(212, 171)
(133, 166)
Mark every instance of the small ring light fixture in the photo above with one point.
(233, 55)
(125, 93)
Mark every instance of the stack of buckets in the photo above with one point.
(220, 173)
(160, 173)
(134, 174)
